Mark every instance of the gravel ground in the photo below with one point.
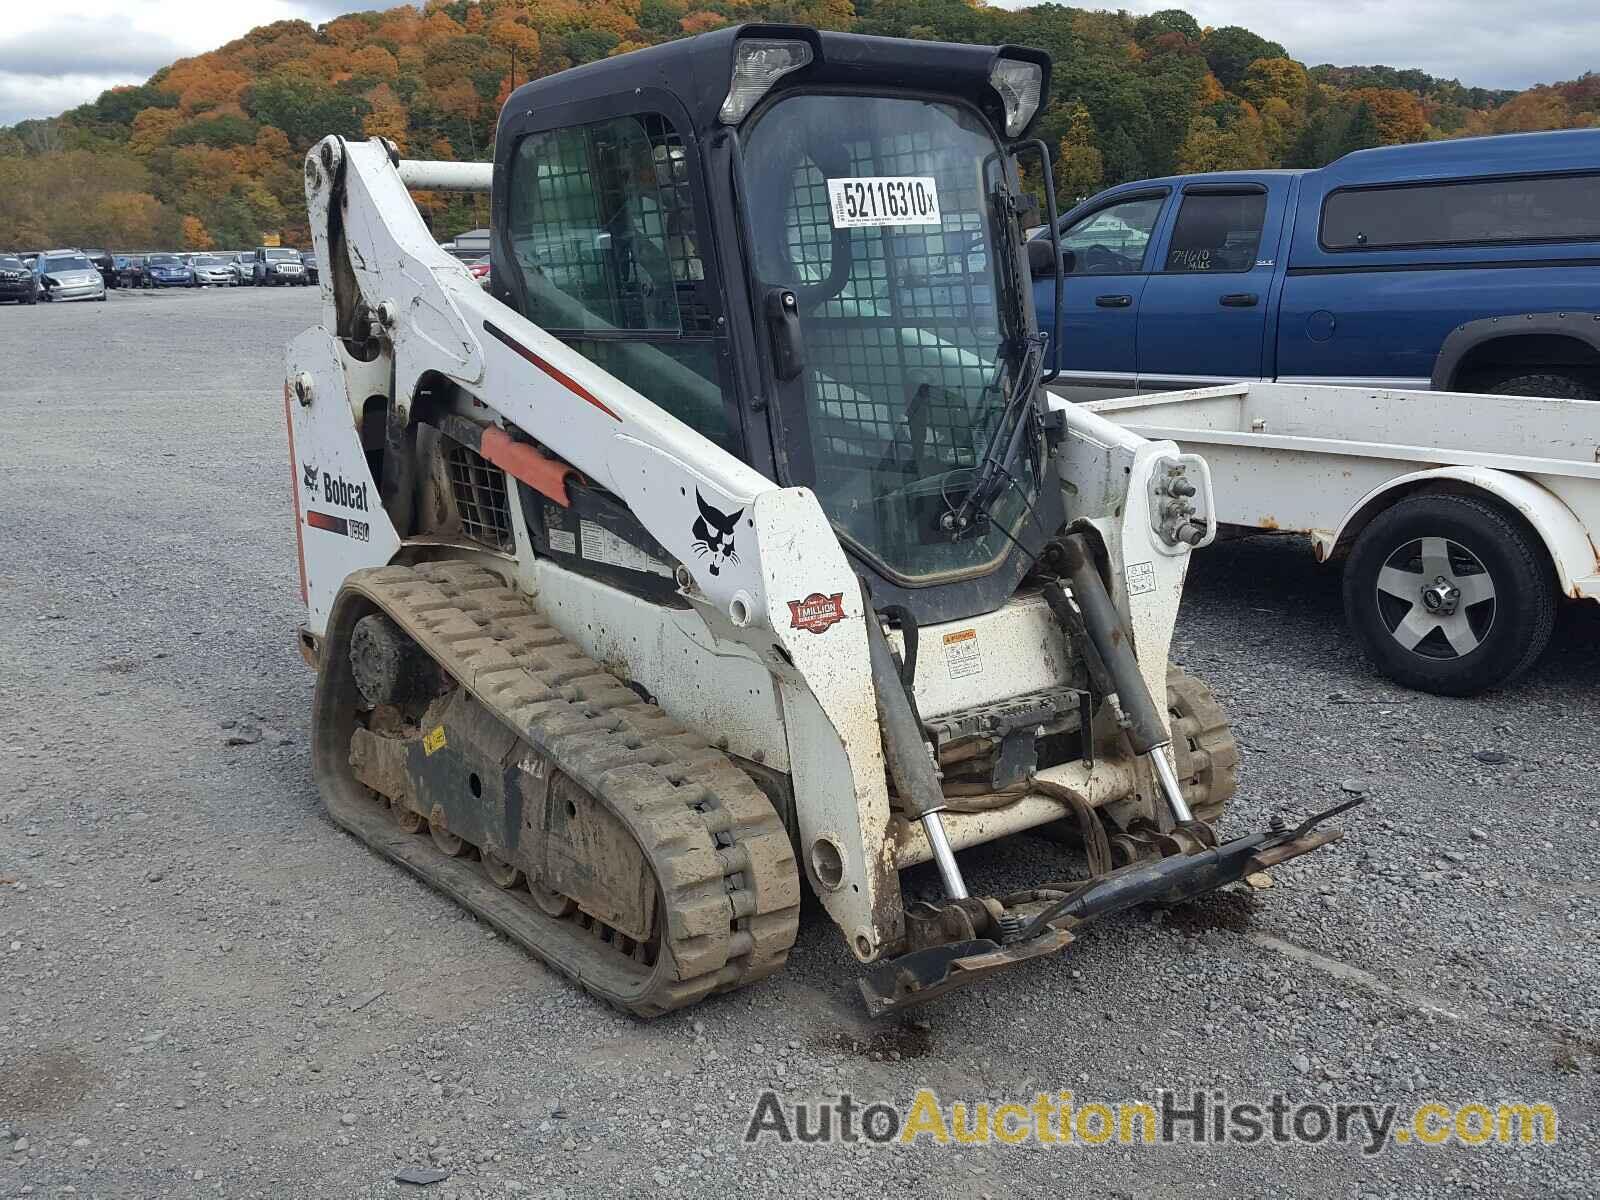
(207, 990)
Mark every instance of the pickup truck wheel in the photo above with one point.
(1559, 387)
(1449, 594)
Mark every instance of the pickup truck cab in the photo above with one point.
(1465, 265)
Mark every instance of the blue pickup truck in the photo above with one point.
(1467, 265)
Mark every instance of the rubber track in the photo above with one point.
(1207, 754)
(729, 887)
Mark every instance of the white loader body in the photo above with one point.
(741, 664)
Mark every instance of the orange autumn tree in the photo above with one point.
(195, 236)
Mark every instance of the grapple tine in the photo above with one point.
(923, 975)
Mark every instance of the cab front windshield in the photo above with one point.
(877, 213)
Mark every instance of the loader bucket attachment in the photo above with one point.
(924, 974)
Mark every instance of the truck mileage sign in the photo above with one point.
(883, 200)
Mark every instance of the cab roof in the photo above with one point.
(698, 69)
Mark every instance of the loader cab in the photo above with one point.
(804, 245)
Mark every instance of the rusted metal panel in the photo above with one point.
(590, 857)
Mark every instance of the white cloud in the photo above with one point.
(57, 55)
(1480, 42)
(23, 95)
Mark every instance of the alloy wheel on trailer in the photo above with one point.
(1450, 593)
(1436, 598)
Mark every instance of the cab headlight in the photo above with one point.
(1019, 84)
(758, 63)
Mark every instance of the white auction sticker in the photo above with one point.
(883, 200)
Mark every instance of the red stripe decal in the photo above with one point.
(333, 524)
(561, 377)
(294, 492)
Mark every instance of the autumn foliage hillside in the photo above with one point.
(207, 152)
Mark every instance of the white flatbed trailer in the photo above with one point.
(1461, 519)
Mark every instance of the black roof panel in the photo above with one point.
(698, 69)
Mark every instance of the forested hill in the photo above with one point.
(207, 152)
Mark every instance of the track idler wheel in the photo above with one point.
(447, 842)
(1206, 754)
(406, 818)
(503, 873)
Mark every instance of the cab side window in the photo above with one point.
(1113, 241)
(1217, 232)
(604, 234)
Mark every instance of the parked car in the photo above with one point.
(17, 280)
(130, 271)
(308, 260)
(277, 265)
(239, 263)
(68, 275)
(105, 264)
(1400, 267)
(169, 270)
(210, 271)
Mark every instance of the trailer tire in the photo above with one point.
(1483, 618)
(1559, 387)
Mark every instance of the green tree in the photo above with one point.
(1079, 166)
(1275, 78)
(305, 110)
(1230, 50)
(1362, 133)
(1168, 20)
(220, 131)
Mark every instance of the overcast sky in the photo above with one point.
(58, 53)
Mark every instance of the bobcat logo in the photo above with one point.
(713, 532)
(308, 476)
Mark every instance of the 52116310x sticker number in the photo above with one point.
(883, 200)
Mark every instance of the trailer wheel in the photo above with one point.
(1449, 594)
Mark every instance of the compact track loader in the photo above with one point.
(730, 536)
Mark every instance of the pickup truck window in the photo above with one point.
(1113, 240)
(1217, 232)
(1480, 212)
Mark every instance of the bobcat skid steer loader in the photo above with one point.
(730, 536)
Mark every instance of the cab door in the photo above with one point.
(1204, 314)
(1109, 250)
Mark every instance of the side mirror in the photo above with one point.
(1041, 259)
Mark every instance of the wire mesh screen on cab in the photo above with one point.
(899, 358)
(898, 308)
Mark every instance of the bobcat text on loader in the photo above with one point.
(733, 536)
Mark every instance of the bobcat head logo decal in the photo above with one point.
(308, 476)
(713, 534)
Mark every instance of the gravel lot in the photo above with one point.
(208, 990)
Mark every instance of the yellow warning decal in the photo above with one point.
(961, 653)
(433, 740)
